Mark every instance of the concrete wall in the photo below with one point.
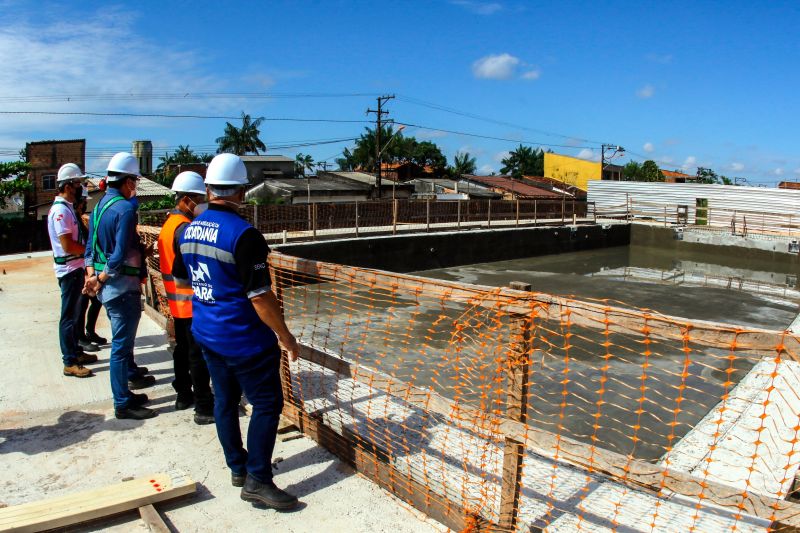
(730, 250)
(571, 170)
(408, 253)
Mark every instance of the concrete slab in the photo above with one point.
(58, 436)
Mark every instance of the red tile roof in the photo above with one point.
(673, 174)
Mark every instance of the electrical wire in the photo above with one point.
(160, 115)
(173, 96)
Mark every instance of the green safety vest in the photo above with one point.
(100, 259)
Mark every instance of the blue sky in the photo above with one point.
(684, 83)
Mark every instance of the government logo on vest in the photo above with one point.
(203, 290)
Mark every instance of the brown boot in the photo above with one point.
(78, 371)
(86, 358)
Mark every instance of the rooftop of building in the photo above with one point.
(507, 183)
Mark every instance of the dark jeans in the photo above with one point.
(191, 374)
(90, 309)
(124, 313)
(259, 377)
(71, 285)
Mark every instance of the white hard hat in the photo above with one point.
(123, 163)
(68, 172)
(189, 181)
(226, 169)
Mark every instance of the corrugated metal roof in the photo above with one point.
(513, 186)
(313, 184)
(613, 194)
(145, 189)
(265, 158)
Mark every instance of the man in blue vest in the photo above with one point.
(237, 320)
(115, 266)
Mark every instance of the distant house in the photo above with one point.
(789, 185)
(445, 189)
(613, 172)
(572, 171)
(389, 189)
(672, 176)
(310, 190)
(405, 171)
(261, 167)
(556, 186)
(512, 189)
(177, 168)
(45, 158)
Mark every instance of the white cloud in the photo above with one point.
(499, 156)
(778, 171)
(480, 8)
(531, 74)
(689, 163)
(664, 59)
(101, 53)
(737, 167)
(589, 155)
(485, 170)
(495, 67)
(430, 134)
(646, 92)
(648, 147)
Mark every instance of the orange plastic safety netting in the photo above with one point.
(495, 408)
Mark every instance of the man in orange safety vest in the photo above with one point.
(191, 374)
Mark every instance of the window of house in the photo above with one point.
(49, 182)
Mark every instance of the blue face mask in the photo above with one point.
(135, 203)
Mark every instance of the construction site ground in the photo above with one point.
(58, 435)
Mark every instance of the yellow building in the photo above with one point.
(571, 170)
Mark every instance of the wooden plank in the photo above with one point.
(375, 468)
(516, 409)
(96, 503)
(152, 519)
(623, 469)
(586, 314)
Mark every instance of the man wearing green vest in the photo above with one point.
(115, 266)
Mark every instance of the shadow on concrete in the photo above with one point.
(71, 428)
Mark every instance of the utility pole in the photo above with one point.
(603, 147)
(378, 119)
(324, 165)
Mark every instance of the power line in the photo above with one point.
(454, 111)
(490, 137)
(159, 115)
(174, 96)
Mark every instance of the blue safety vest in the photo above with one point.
(224, 320)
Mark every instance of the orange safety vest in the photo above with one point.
(179, 298)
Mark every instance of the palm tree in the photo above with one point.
(463, 164)
(242, 140)
(524, 161)
(302, 163)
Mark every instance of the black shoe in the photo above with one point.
(137, 400)
(141, 382)
(84, 358)
(96, 339)
(134, 413)
(204, 420)
(237, 480)
(267, 494)
(183, 403)
(87, 346)
(141, 370)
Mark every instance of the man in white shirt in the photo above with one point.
(63, 227)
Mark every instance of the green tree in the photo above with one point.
(396, 149)
(632, 171)
(303, 162)
(244, 140)
(13, 180)
(707, 175)
(463, 163)
(524, 161)
(651, 172)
